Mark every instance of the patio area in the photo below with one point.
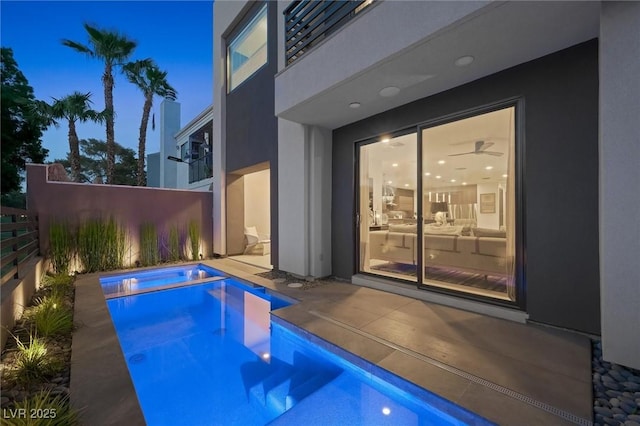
(507, 372)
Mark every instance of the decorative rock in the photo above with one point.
(611, 421)
(612, 385)
(615, 402)
(631, 423)
(604, 411)
(617, 375)
(632, 385)
(613, 393)
(629, 408)
(618, 410)
(4, 401)
(634, 417)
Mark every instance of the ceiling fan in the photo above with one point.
(480, 148)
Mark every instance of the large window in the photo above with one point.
(247, 52)
(465, 240)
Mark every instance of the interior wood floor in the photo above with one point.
(484, 285)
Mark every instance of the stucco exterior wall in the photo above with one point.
(619, 176)
(131, 206)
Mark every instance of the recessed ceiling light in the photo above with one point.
(438, 177)
(464, 183)
(505, 176)
(453, 180)
(488, 168)
(406, 184)
(427, 174)
(385, 140)
(441, 162)
(389, 182)
(354, 105)
(394, 165)
(389, 91)
(463, 61)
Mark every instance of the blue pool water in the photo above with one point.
(209, 354)
(153, 279)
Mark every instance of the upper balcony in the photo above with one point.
(333, 54)
(307, 23)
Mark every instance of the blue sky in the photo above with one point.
(176, 34)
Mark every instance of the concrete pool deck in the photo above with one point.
(507, 372)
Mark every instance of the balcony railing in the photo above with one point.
(19, 241)
(308, 22)
(200, 169)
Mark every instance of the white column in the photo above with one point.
(293, 231)
(304, 199)
(319, 166)
(619, 177)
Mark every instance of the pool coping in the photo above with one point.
(100, 387)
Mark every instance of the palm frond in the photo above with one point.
(78, 47)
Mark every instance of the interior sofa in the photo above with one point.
(459, 246)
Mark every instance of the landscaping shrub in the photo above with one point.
(61, 246)
(44, 409)
(101, 245)
(148, 245)
(52, 316)
(60, 285)
(194, 239)
(33, 363)
(174, 244)
(115, 245)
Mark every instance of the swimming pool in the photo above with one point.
(156, 279)
(209, 354)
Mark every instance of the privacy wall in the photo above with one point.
(131, 206)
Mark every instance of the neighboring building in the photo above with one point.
(193, 145)
(476, 154)
(185, 157)
(153, 170)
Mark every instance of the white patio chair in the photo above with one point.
(256, 241)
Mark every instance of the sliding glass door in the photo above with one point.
(463, 189)
(468, 204)
(388, 206)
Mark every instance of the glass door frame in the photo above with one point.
(359, 216)
(520, 247)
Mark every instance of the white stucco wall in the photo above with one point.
(364, 47)
(619, 179)
(257, 201)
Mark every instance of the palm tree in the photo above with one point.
(151, 81)
(73, 108)
(113, 49)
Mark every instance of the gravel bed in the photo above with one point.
(616, 391)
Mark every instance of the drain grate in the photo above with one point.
(473, 378)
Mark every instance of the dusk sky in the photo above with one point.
(176, 34)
